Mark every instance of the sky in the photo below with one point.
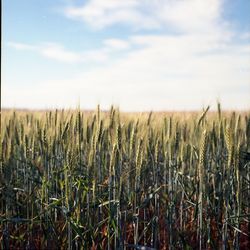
(139, 55)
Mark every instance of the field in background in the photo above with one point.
(110, 180)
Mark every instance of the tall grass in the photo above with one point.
(108, 180)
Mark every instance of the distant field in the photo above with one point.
(72, 179)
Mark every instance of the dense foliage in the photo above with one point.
(109, 180)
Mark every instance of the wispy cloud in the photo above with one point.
(184, 15)
(191, 15)
(100, 14)
(196, 58)
(116, 44)
(21, 46)
(171, 72)
(48, 50)
(59, 53)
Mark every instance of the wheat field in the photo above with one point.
(71, 179)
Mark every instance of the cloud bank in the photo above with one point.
(195, 58)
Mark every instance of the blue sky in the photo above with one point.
(137, 54)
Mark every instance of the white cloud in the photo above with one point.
(191, 15)
(184, 15)
(49, 50)
(165, 72)
(116, 44)
(21, 46)
(99, 13)
(57, 52)
(205, 61)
